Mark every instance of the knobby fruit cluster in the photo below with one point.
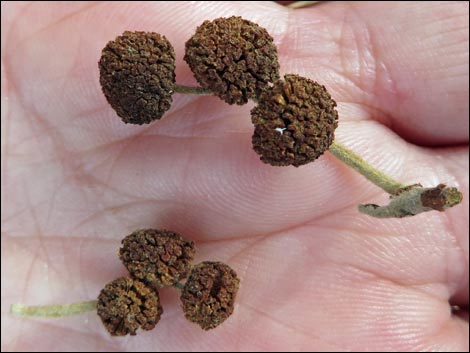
(237, 61)
(157, 257)
(294, 119)
(234, 58)
(162, 258)
(294, 123)
(137, 75)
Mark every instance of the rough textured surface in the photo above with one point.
(125, 305)
(294, 122)
(233, 57)
(209, 294)
(441, 197)
(137, 75)
(157, 257)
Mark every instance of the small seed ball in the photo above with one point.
(233, 57)
(294, 122)
(209, 294)
(125, 305)
(157, 256)
(137, 75)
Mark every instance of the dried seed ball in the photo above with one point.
(137, 75)
(294, 122)
(209, 294)
(232, 57)
(158, 257)
(126, 304)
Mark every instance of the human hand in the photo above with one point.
(315, 274)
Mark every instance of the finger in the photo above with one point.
(406, 62)
(384, 92)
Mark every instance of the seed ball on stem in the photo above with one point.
(157, 256)
(233, 57)
(137, 75)
(209, 294)
(126, 304)
(294, 122)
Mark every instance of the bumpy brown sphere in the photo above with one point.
(157, 256)
(232, 57)
(294, 122)
(126, 304)
(137, 75)
(209, 294)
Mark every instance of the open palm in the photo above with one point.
(315, 274)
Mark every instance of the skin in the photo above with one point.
(315, 274)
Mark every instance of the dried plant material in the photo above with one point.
(137, 75)
(413, 200)
(157, 256)
(209, 294)
(53, 311)
(233, 57)
(294, 122)
(126, 304)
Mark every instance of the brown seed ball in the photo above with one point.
(157, 257)
(137, 75)
(294, 122)
(209, 294)
(233, 57)
(126, 304)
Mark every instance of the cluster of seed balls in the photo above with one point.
(161, 258)
(236, 59)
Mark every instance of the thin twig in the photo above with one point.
(404, 200)
(374, 175)
(54, 310)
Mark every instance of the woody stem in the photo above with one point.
(405, 200)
